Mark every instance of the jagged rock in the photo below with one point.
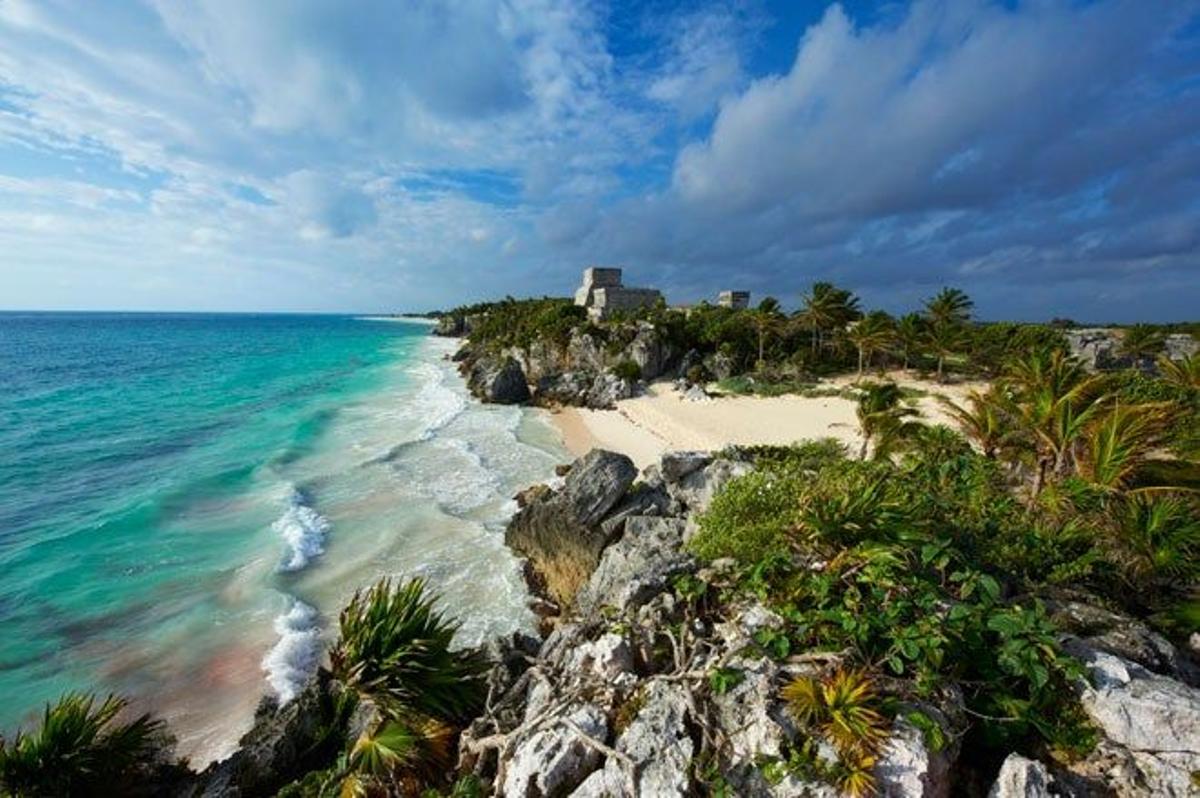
(1177, 346)
(1151, 725)
(506, 385)
(608, 389)
(909, 768)
(690, 360)
(721, 366)
(739, 631)
(608, 658)
(658, 744)
(560, 532)
(272, 753)
(554, 760)
(649, 351)
(696, 394)
(449, 326)
(696, 490)
(674, 466)
(638, 567)
(1021, 778)
(1123, 636)
(642, 499)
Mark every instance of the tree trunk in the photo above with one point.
(862, 451)
(860, 364)
(941, 362)
(761, 336)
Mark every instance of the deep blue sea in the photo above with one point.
(187, 500)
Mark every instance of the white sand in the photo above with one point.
(662, 420)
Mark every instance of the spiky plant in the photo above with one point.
(1156, 541)
(82, 746)
(1120, 442)
(394, 647)
(399, 757)
(843, 708)
(1184, 372)
(982, 419)
(846, 511)
(1142, 341)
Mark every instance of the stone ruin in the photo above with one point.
(1099, 348)
(602, 293)
(738, 300)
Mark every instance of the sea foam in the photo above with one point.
(295, 657)
(303, 529)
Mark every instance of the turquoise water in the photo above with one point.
(186, 501)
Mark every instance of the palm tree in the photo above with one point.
(1142, 342)
(827, 307)
(871, 335)
(1184, 372)
(949, 306)
(1121, 441)
(1054, 400)
(884, 420)
(982, 419)
(83, 749)
(1156, 541)
(910, 333)
(947, 313)
(768, 319)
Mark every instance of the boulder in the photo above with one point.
(1151, 726)
(505, 385)
(608, 389)
(560, 532)
(720, 366)
(1122, 636)
(674, 466)
(637, 567)
(1021, 778)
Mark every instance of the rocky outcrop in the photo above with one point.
(1098, 348)
(450, 326)
(561, 533)
(498, 381)
(1151, 728)
(583, 389)
(1021, 778)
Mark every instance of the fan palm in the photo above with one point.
(885, 422)
(80, 748)
(1156, 540)
(395, 648)
(874, 333)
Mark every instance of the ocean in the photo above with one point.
(186, 501)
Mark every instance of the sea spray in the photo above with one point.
(303, 529)
(295, 657)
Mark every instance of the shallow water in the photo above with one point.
(186, 501)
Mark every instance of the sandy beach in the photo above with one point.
(661, 420)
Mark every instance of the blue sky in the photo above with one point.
(295, 155)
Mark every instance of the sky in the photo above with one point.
(403, 155)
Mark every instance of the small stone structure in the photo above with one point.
(602, 293)
(738, 300)
(1099, 348)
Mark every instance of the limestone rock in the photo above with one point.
(696, 490)
(674, 466)
(554, 760)
(908, 768)
(638, 567)
(1021, 778)
(560, 532)
(1124, 637)
(498, 381)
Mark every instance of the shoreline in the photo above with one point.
(661, 420)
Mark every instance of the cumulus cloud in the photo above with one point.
(426, 153)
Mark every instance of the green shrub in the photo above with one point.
(749, 518)
(627, 370)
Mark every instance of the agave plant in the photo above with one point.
(394, 647)
(82, 747)
(843, 707)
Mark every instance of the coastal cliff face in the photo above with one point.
(659, 675)
(583, 372)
